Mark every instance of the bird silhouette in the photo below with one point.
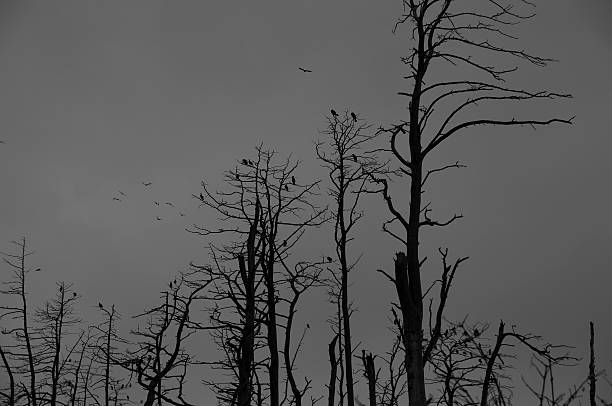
(158, 218)
(354, 157)
(245, 162)
(121, 193)
(476, 332)
(74, 294)
(201, 197)
(250, 162)
(333, 113)
(307, 325)
(182, 214)
(170, 204)
(293, 180)
(237, 176)
(156, 203)
(353, 116)
(286, 188)
(117, 199)
(285, 243)
(329, 259)
(100, 305)
(147, 183)
(305, 70)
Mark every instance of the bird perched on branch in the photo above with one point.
(100, 305)
(353, 116)
(293, 180)
(329, 259)
(201, 197)
(333, 113)
(244, 162)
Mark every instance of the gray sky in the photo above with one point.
(96, 97)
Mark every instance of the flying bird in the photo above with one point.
(117, 199)
(333, 113)
(158, 218)
(305, 70)
(121, 193)
(182, 214)
(147, 183)
(293, 180)
(353, 116)
(170, 204)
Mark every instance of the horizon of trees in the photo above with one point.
(244, 300)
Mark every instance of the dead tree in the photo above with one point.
(160, 360)
(442, 32)
(106, 353)
(303, 277)
(264, 214)
(23, 349)
(345, 156)
(548, 395)
(55, 322)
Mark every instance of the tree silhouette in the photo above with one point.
(23, 348)
(442, 32)
(345, 157)
(264, 214)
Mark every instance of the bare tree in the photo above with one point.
(23, 348)
(442, 32)
(55, 321)
(264, 214)
(160, 362)
(347, 161)
(106, 354)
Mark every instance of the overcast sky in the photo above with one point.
(96, 97)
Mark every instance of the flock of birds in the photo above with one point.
(123, 195)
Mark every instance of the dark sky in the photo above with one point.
(96, 97)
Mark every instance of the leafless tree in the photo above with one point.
(160, 360)
(108, 349)
(22, 352)
(56, 320)
(444, 32)
(348, 161)
(263, 215)
(548, 395)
